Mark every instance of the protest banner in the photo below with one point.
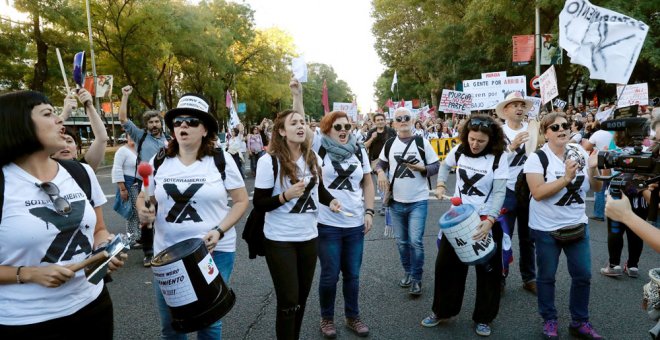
(548, 81)
(491, 75)
(299, 68)
(629, 95)
(559, 103)
(455, 102)
(606, 42)
(486, 93)
(349, 108)
(523, 49)
(536, 108)
(407, 104)
(551, 53)
(442, 146)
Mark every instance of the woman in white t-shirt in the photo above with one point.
(48, 226)
(558, 222)
(291, 201)
(124, 171)
(192, 198)
(341, 237)
(483, 170)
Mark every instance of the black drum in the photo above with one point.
(191, 285)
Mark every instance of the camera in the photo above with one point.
(637, 169)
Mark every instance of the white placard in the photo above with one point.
(486, 93)
(493, 75)
(175, 284)
(559, 103)
(606, 42)
(536, 108)
(208, 268)
(299, 68)
(548, 83)
(349, 108)
(455, 102)
(636, 94)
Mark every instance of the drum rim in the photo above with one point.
(194, 241)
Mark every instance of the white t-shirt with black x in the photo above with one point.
(517, 157)
(33, 234)
(192, 200)
(344, 181)
(475, 176)
(566, 207)
(410, 186)
(294, 221)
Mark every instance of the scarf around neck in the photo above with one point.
(339, 152)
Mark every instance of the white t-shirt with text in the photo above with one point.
(515, 158)
(410, 186)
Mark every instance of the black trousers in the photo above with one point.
(93, 321)
(291, 266)
(450, 276)
(615, 241)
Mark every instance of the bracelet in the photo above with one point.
(219, 230)
(369, 211)
(284, 196)
(441, 185)
(18, 275)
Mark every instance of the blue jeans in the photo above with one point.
(525, 243)
(225, 263)
(599, 201)
(409, 222)
(578, 258)
(340, 249)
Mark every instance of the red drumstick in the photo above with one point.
(145, 170)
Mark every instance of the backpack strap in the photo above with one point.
(322, 151)
(458, 153)
(2, 191)
(275, 168)
(139, 149)
(220, 163)
(496, 162)
(388, 146)
(419, 141)
(158, 160)
(79, 174)
(544, 161)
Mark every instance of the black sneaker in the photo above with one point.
(147, 261)
(415, 288)
(406, 281)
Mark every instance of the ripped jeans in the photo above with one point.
(291, 266)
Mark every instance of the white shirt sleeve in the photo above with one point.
(366, 165)
(533, 165)
(264, 179)
(118, 165)
(502, 171)
(450, 160)
(431, 157)
(97, 193)
(233, 180)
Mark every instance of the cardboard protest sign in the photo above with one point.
(103, 86)
(523, 49)
(637, 94)
(486, 93)
(606, 42)
(536, 108)
(299, 68)
(407, 104)
(442, 146)
(350, 108)
(455, 102)
(559, 103)
(551, 53)
(548, 81)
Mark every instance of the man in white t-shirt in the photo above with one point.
(514, 110)
(410, 162)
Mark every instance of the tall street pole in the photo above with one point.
(537, 40)
(91, 48)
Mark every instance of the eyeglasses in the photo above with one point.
(191, 121)
(479, 122)
(400, 119)
(555, 127)
(339, 127)
(61, 205)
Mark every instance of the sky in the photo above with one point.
(337, 33)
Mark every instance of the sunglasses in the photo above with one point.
(555, 127)
(61, 205)
(478, 122)
(400, 119)
(190, 121)
(339, 127)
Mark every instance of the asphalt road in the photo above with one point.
(388, 310)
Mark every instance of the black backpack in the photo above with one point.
(419, 142)
(523, 193)
(75, 169)
(253, 232)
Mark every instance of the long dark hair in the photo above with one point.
(489, 126)
(18, 136)
(207, 148)
(278, 147)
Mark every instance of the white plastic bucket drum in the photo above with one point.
(191, 285)
(459, 232)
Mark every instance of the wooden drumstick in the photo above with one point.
(98, 257)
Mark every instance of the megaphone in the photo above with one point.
(79, 69)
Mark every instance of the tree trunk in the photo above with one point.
(41, 66)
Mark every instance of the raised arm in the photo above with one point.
(96, 152)
(123, 107)
(296, 93)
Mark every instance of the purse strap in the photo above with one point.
(399, 164)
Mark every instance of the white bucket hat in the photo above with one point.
(510, 98)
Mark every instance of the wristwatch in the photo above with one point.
(219, 230)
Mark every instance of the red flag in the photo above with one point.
(389, 103)
(403, 103)
(89, 85)
(228, 101)
(595, 100)
(324, 98)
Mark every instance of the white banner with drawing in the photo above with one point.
(486, 93)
